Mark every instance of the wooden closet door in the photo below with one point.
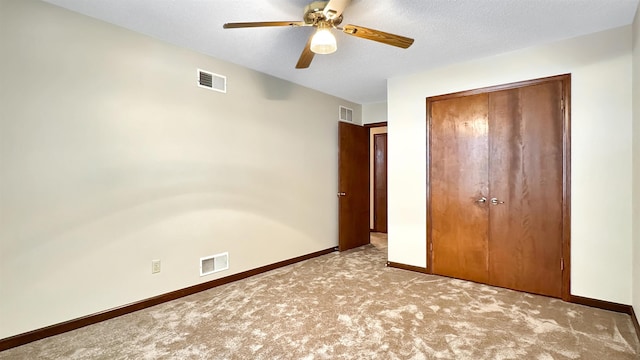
(526, 173)
(458, 179)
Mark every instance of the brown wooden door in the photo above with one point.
(458, 183)
(507, 146)
(525, 132)
(353, 186)
(380, 182)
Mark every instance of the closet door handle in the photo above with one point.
(482, 200)
(495, 201)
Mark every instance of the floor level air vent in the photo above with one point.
(214, 263)
(212, 81)
(345, 114)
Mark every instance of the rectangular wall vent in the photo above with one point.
(214, 263)
(345, 114)
(211, 81)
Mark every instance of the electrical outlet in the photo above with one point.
(155, 266)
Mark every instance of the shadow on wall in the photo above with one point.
(136, 202)
(292, 38)
(273, 88)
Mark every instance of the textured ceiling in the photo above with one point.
(445, 31)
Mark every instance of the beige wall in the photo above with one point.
(372, 132)
(111, 156)
(374, 113)
(636, 162)
(601, 143)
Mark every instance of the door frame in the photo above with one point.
(566, 167)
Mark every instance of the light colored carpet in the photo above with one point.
(350, 306)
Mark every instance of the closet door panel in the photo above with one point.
(525, 161)
(458, 179)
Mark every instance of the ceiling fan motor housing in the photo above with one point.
(314, 13)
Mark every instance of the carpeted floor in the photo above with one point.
(350, 306)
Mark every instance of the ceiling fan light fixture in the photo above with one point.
(323, 41)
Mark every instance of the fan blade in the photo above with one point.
(306, 56)
(335, 8)
(379, 36)
(262, 24)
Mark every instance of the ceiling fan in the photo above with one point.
(327, 15)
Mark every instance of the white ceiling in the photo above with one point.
(445, 31)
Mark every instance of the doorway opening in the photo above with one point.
(362, 185)
(378, 184)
